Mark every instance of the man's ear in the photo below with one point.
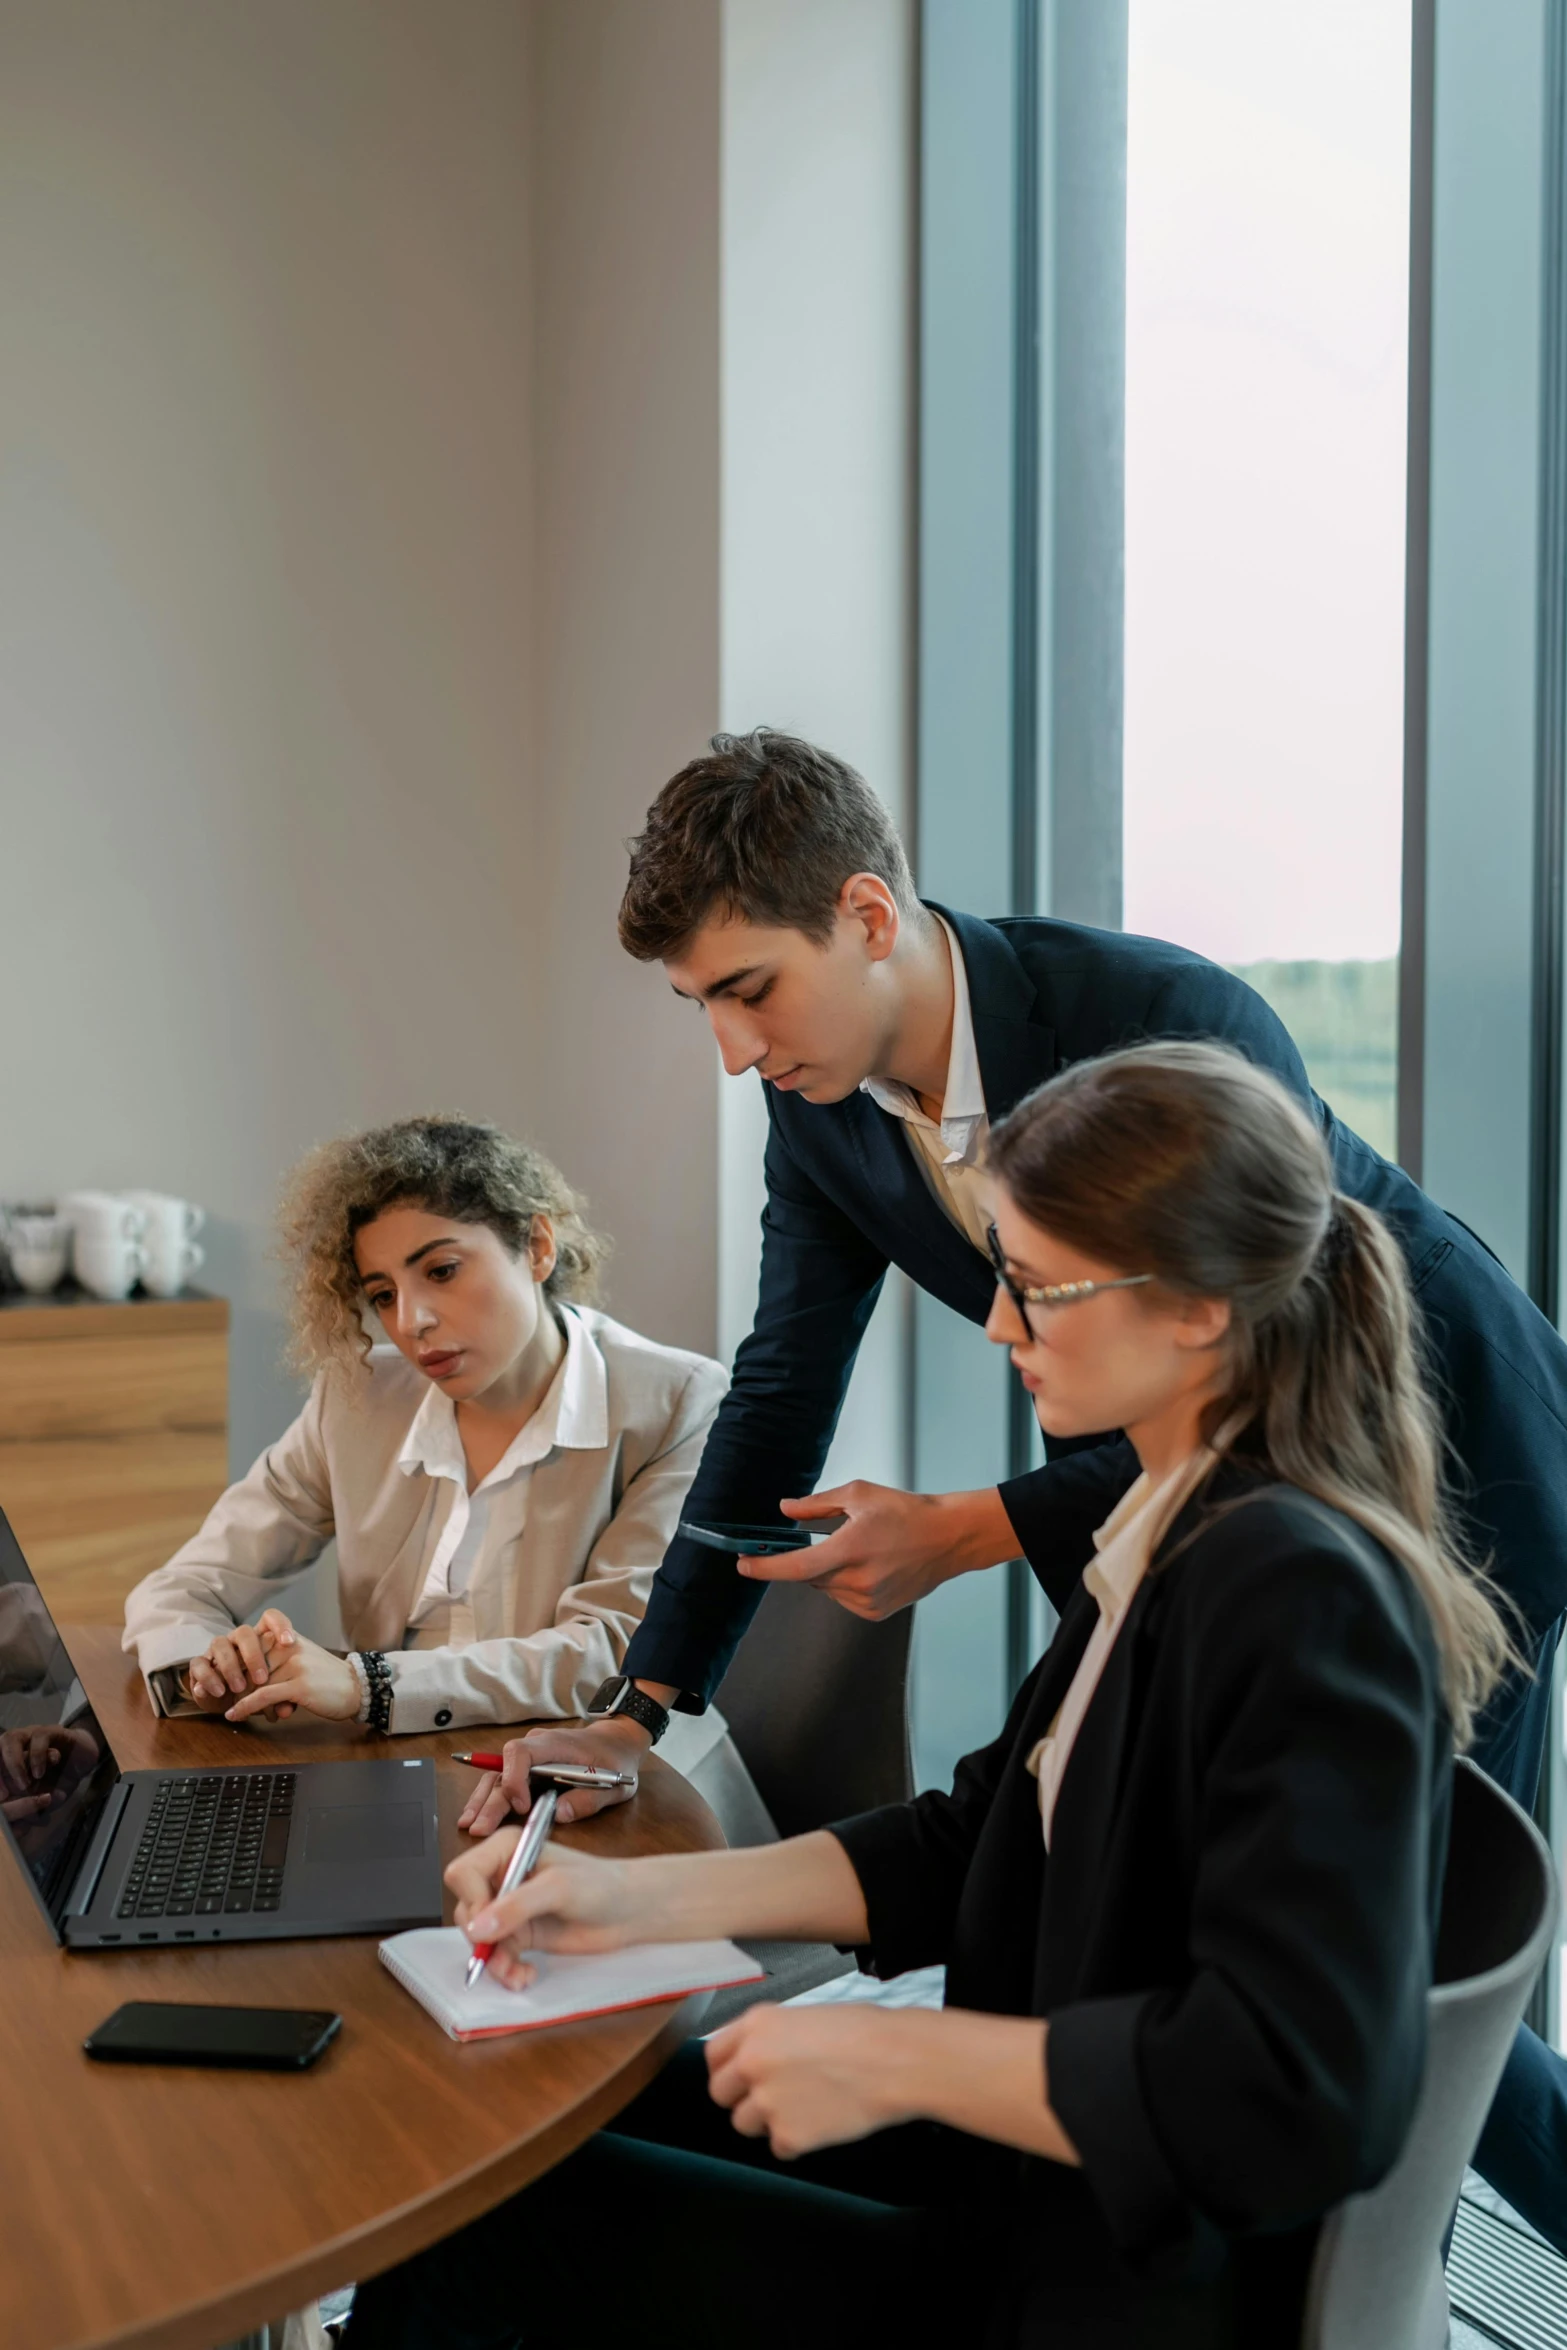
(866, 901)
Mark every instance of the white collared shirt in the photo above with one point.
(558, 1585)
(1125, 1545)
(952, 1153)
(573, 1413)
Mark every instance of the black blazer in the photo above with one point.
(1232, 1933)
(845, 1198)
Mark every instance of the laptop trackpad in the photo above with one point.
(343, 1832)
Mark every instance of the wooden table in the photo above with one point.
(147, 2205)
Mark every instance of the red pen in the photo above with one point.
(558, 1774)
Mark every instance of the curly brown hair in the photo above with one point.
(448, 1165)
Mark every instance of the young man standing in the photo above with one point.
(773, 889)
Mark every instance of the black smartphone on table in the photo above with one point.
(269, 2039)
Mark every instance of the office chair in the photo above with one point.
(1376, 2280)
(818, 1704)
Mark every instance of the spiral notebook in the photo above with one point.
(431, 1961)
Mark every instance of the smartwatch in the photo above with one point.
(618, 1695)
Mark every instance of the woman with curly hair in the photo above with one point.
(501, 1475)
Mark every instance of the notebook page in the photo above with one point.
(431, 1962)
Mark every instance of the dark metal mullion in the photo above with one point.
(908, 1338)
(1026, 557)
(1545, 1140)
(1026, 357)
(1417, 609)
(1550, 802)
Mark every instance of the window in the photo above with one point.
(1267, 241)
(1245, 165)
(1308, 204)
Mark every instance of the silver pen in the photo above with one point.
(523, 1861)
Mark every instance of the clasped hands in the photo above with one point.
(799, 2077)
(268, 1668)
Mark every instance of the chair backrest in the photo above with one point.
(817, 1701)
(1377, 2282)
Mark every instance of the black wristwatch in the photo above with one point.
(618, 1695)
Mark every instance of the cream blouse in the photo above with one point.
(1125, 1544)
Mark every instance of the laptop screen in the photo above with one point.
(56, 1768)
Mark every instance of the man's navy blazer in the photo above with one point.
(846, 1198)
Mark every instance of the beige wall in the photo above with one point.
(627, 597)
(265, 588)
(419, 426)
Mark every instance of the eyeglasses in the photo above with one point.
(1052, 1293)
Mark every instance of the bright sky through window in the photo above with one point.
(1267, 285)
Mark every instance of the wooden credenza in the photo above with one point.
(113, 1437)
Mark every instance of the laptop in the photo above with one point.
(120, 1859)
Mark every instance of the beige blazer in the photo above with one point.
(568, 1586)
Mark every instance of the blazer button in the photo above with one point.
(443, 1717)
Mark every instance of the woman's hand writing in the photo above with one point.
(572, 1902)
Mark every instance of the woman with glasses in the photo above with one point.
(1186, 1900)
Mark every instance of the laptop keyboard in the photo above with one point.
(214, 1844)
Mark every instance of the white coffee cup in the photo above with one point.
(39, 1248)
(108, 1262)
(102, 1215)
(169, 1227)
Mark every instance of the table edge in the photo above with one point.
(363, 2252)
(398, 2231)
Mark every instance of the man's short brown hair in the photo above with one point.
(762, 828)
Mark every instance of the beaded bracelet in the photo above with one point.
(378, 1674)
(356, 1665)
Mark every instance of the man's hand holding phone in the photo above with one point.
(889, 1548)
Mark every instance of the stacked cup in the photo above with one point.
(38, 1243)
(168, 1240)
(106, 1243)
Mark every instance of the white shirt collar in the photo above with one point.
(1123, 1546)
(963, 1101)
(574, 1415)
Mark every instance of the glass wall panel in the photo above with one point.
(1266, 290)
